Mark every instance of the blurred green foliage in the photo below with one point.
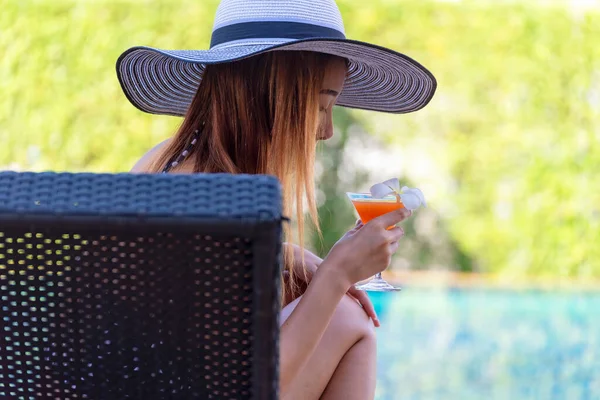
(513, 133)
(427, 243)
(516, 123)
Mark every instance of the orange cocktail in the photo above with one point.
(368, 208)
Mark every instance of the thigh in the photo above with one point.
(348, 325)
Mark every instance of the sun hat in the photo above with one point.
(165, 81)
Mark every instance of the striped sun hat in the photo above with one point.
(165, 81)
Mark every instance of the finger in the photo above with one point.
(393, 217)
(349, 293)
(366, 303)
(395, 234)
(394, 247)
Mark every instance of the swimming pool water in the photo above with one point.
(488, 344)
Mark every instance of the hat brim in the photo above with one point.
(165, 81)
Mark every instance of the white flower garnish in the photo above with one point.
(412, 198)
(380, 190)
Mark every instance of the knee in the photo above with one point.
(350, 318)
(349, 321)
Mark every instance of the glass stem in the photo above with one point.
(378, 276)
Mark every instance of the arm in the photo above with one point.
(359, 254)
(306, 272)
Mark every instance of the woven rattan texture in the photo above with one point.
(198, 195)
(59, 293)
(118, 311)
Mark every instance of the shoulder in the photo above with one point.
(145, 163)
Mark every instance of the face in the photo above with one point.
(333, 82)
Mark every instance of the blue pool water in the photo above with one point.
(481, 344)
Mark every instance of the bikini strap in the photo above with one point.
(175, 161)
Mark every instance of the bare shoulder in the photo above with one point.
(145, 163)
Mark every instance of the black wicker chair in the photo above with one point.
(139, 286)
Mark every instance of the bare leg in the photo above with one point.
(343, 364)
(355, 376)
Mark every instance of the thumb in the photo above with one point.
(393, 217)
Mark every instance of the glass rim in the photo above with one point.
(369, 197)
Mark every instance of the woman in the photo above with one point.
(257, 102)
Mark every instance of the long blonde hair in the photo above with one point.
(260, 116)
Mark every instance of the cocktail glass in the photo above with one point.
(368, 208)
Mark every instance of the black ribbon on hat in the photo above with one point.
(274, 30)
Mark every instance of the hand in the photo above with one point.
(312, 262)
(367, 249)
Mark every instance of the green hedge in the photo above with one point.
(513, 133)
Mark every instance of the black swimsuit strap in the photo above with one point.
(176, 160)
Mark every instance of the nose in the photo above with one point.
(326, 131)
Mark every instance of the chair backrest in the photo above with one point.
(122, 286)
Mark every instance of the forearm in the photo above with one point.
(303, 330)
